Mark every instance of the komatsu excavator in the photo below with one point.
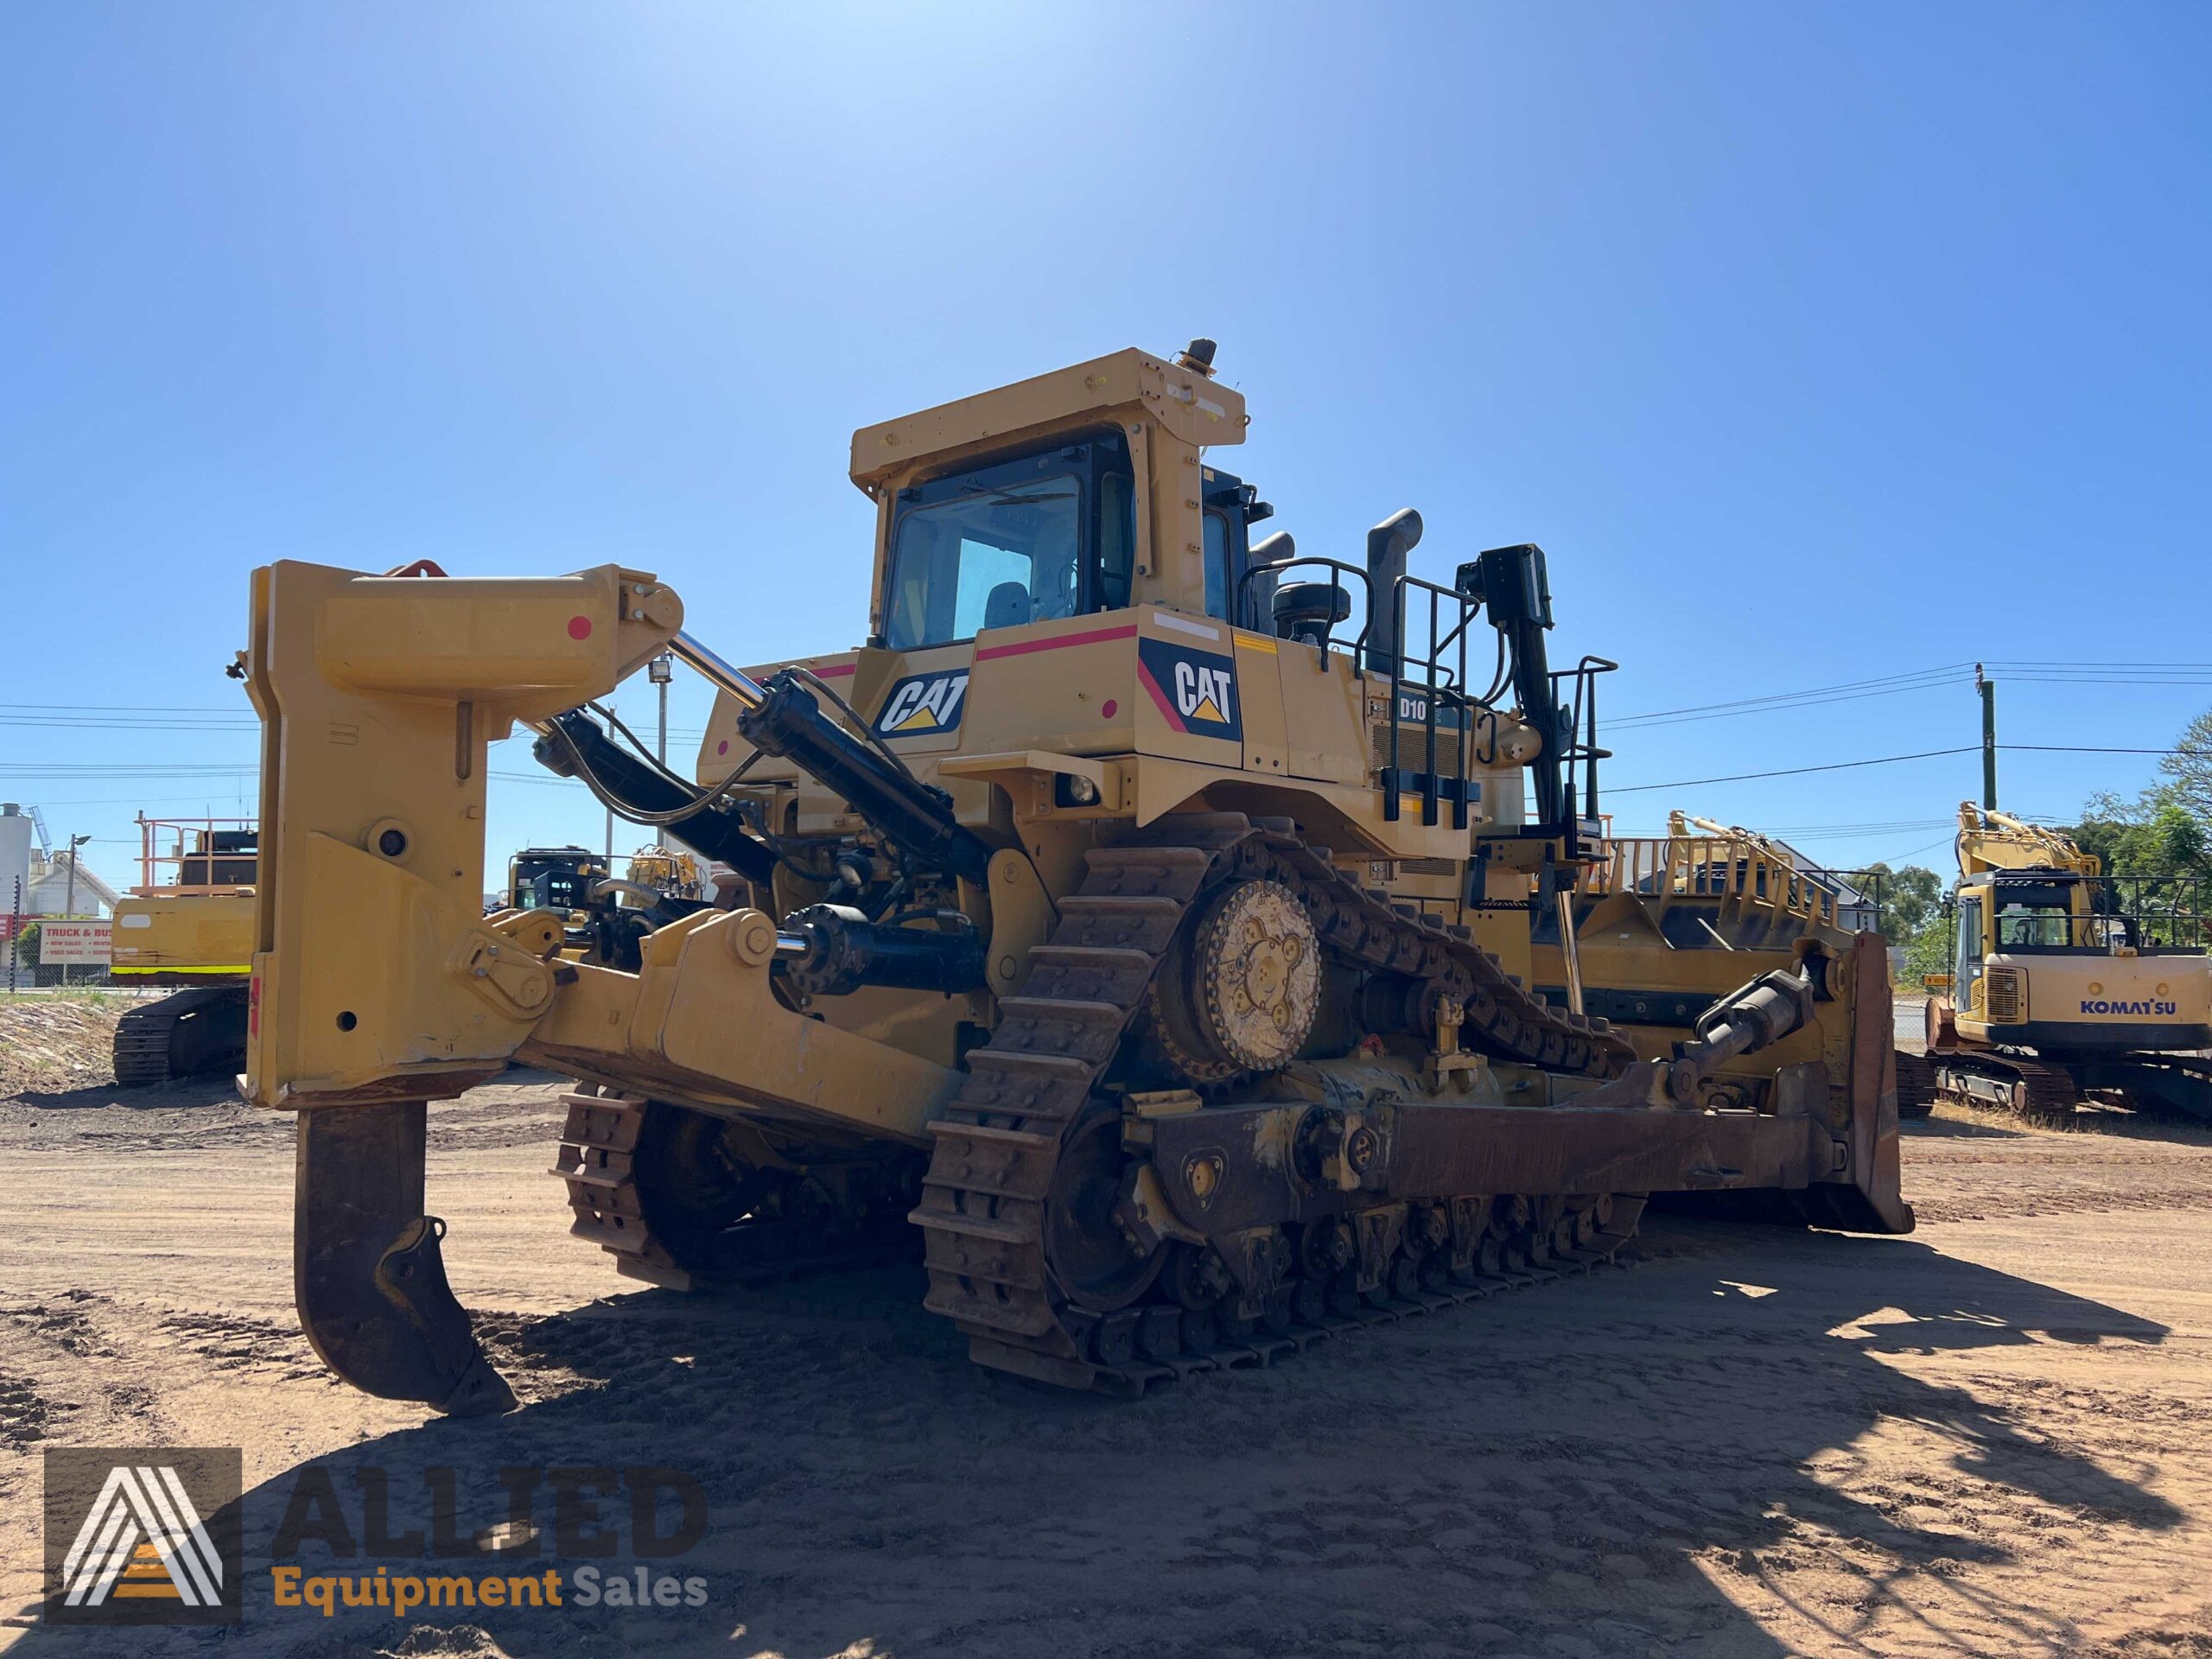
(2063, 983)
(1117, 918)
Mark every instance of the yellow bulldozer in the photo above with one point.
(1121, 920)
(1665, 928)
(2067, 983)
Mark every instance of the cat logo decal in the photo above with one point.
(1194, 690)
(922, 705)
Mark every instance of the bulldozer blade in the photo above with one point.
(1873, 1200)
(368, 1277)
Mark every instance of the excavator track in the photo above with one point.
(186, 1033)
(2034, 1091)
(1029, 1096)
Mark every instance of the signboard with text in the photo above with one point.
(73, 944)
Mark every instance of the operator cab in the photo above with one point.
(553, 878)
(1041, 536)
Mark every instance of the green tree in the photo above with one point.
(2160, 848)
(2189, 767)
(1928, 952)
(1906, 900)
(2157, 835)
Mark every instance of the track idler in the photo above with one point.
(367, 1271)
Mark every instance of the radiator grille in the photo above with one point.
(1413, 749)
(2005, 996)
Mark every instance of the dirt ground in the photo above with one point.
(1989, 1438)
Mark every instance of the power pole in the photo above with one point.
(69, 902)
(1987, 687)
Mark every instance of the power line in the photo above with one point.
(89, 769)
(1849, 690)
(121, 708)
(1789, 771)
(2017, 671)
(1893, 759)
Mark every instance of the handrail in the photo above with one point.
(151, 859)
(1740, 865)
(1337, 568)
(1442, 684)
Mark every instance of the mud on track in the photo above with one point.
(1994, 1437)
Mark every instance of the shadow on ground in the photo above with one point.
(1610, 1465)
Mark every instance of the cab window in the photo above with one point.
(1217, 565)
(994, 556)
(1967, 968)
(1032, 539)
(2021, 925)
(1117, 539)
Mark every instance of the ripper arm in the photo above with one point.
(379, 984)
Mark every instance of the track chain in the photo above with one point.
(2039, 1093)
(984, 1202)
(598, 1162)
(142, 1045)
(146, 1037)
(1916, 1085)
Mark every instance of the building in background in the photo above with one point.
(15, 858)
(60, 886)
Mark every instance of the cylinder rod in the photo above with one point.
(1570, 949)
(735, 680)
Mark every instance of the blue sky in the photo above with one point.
(1815, 343)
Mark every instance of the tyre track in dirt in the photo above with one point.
(1986, 1439)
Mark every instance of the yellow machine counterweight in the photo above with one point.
(1120, 920)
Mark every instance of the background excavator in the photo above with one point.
(187, 924)
(2066, 982)
(1118, 920)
